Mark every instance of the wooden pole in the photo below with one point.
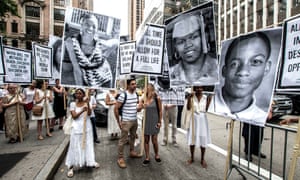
(229, 149)
(46, 107)
(296, 153)
(193, 118)
(144, 119)
(64, 95)
(18, 118)
(84, 122)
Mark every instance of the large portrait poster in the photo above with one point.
(248, 68)
(90, 49)
(56, 44)
(1, 58)
(17, 63)
(43, 61)
(289, 78)
(127, 50)
(191, 45)
(148, 55)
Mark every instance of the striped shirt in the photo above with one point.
(129, 110)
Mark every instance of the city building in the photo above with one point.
(135, 16)
(38, 19)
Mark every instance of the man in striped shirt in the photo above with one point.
(128, 122)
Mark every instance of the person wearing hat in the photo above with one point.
(195, 65)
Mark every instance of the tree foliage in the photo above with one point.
(8, 6)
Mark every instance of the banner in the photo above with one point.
(289, 78)
(43, 61)
(191, 45)
(17, 63)
(90, 48)
(127, 50)
(1, 58)
(149, 51)
(248, 64)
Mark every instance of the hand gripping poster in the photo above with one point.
(248, 68)
(191, 45)
(90, 48)
(17, 64)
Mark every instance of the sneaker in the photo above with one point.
(146, 163)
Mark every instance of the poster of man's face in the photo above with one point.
(191, 44)
(248, 66)
(90, 48)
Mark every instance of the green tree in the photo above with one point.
(8, 6)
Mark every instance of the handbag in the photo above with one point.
(37, 110)
(28, 106)
(68, 125)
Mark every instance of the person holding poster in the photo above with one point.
(43, 97)
(153, 119)
(196, 123)
(246, 64)
(81, 151)
(84, 63)
(14, 126)
(195, 65)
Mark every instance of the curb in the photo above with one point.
(53, 163)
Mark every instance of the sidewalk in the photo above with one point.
(43, 158)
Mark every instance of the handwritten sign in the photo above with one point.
(17, 63)
(43, 61)
(126, 55)
(149, 51)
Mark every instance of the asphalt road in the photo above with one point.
(174, 159)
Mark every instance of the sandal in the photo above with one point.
(40, 137)
(70, 173)
(158, 160)
(97, 165)
(203, 164)
(49, 134)
(121, 163)
(146, 162)
(190, 161)
(135, 155)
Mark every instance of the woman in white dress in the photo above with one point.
(112, 125)
(81, 149)
(44, 97)
(195, 120)
(29, 97)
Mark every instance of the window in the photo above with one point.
(59, 3)
(2, 26)
(58, 30)
(59, 14)
(32, 29)
(14, 27)
(28, 45)
(33, 11)
(14, 43)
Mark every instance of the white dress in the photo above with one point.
(47, 106)
(78, 156)
(112, 125)
(201, 130)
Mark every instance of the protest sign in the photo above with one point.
(43, 61)
(289, 78)
(149, 51)
(17, 63)
(125, 57)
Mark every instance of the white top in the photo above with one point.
(29, 94)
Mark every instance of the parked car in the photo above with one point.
(101, 110)
(283, 105)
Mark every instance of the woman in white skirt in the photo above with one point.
(195, 120)
(81, 149)
(43, 97)
(112, 124)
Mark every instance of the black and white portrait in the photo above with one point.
(90, 49)
(56, 44)
(248, 69)
(191, 47)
